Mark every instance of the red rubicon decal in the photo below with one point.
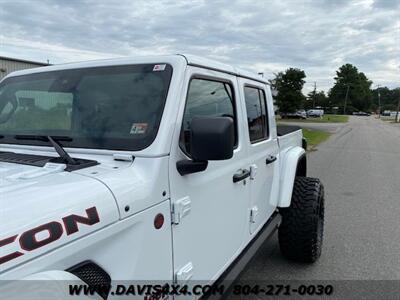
(28, 240)
(71, 221)
(10, 256)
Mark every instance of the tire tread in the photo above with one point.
(298, 232)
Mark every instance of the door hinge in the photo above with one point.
(180, 209)
(184, 274)
(253, 171)
(253, 214)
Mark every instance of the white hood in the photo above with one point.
(31, 198)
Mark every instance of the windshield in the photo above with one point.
(118, 107)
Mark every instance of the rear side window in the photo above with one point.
(206, 98)
(256, 113)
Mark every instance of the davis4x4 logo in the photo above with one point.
(28, 241)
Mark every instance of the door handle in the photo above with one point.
(241, 176)
(270, 159)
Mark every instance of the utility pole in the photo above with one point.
(345, 99)
(398, 109)
(315, 93)
(379, 101)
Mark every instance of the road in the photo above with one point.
(360, 168)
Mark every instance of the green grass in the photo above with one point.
(324, 119)
(315, 137)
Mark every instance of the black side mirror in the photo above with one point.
(211, 138)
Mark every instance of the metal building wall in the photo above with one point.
(9, 65)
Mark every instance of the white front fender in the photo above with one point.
(49, 285)
(289, 160)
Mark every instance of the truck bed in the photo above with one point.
(289, 136)
(286, 129)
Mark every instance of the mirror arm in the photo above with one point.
(187, 166)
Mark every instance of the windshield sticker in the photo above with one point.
(139, 128)
(158, 68)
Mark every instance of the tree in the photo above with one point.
(389, 98)
(288, 85)
(356, 84)
(316, 99)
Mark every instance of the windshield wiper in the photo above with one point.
(54, 142)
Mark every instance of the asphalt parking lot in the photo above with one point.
(360, 168)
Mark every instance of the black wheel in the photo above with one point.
(302, 228)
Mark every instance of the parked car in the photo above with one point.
(167, 168)
(300, 114)
(361, 113)
(388, 113)
(315, 113)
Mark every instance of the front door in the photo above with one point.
(211, 210)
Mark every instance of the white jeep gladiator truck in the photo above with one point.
(164, 168)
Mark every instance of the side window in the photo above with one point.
(206, 98)
(256, 113)
(264, 112)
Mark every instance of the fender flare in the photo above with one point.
(293, 164)
(47, 285)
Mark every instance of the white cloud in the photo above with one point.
(265, 36)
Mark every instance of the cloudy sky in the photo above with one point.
(260, 35)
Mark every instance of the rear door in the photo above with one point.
(213, 224)
(262, 151)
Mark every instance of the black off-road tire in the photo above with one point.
(302, 228)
